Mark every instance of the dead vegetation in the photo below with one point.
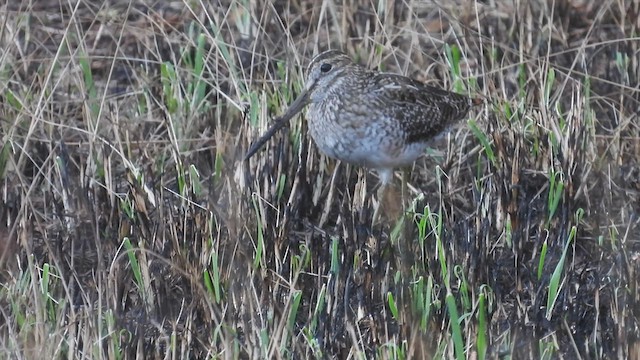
(132, 229)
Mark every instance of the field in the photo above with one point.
(131, 227)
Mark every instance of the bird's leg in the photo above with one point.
(404, 190)
(385, 176)
(388, 197)
(360, 194)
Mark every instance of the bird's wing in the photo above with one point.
(422, 110)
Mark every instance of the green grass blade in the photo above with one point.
(456, 330)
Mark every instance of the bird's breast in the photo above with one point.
(359, 135)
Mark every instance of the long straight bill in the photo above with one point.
(280, 122)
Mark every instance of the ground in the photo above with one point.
(132, 227)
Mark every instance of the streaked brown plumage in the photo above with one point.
(372, 119)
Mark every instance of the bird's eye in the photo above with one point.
(325, 68)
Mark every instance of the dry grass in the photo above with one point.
(132, 229)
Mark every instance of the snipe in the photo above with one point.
(377, 120)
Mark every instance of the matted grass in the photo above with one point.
(131, 228)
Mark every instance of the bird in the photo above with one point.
(377, 120)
